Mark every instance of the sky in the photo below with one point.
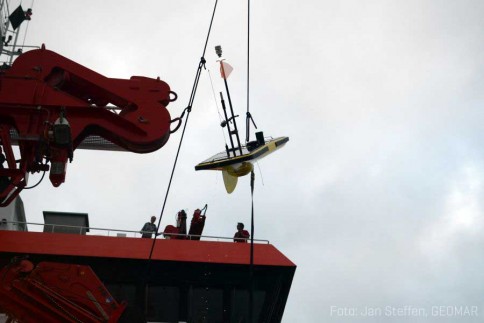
(377, 197)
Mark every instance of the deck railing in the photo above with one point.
(115, 233)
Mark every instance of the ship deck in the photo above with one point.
(185, 280)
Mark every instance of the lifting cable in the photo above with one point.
(251, 267)
(249, 118)
(188, 109)
(252, 176)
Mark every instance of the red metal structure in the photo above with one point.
(55, 292)
(180, 230)
(187, 280)
(50, 104)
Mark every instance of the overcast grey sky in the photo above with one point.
(378, 195)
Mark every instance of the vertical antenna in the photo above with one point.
(227, 123)
(10, 23)
(218, 50)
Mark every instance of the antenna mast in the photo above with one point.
(10, 26)
(235, 131)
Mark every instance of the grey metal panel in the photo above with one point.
(66, 222)
(14, 212)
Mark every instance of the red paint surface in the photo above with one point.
(41, 85)
(138, 248)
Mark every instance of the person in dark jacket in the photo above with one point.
(149, 228)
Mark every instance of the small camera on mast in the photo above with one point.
(218, 50)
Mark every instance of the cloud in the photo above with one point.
(462, 216)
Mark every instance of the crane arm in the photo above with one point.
(53, 104)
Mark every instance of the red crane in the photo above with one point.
(50, 104)
(55, 292)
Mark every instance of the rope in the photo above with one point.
(252, 174)
(188, 109)
(248, 115)
(216, 105)
(251, 294)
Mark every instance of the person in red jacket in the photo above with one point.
(241, 235)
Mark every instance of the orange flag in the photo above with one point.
(225, 69)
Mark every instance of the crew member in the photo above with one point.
(149, 228)
(241, 235)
